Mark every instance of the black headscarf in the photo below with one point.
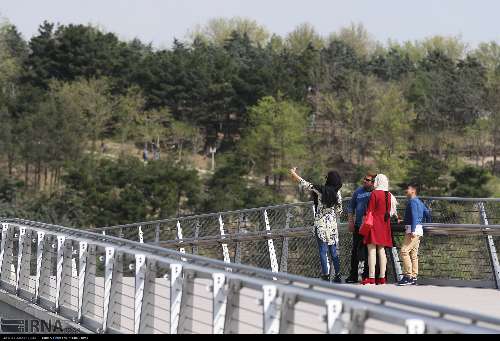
(329, 190)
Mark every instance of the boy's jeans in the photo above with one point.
(409, 254)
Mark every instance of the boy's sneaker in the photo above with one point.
(406, 281)
(414, 281)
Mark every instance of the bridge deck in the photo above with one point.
(483, 301)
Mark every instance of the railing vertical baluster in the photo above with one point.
(39, 256)
(179, 236)
(219, 303)
(284, 250)
(232, 307)
(61, 240)
(140, 277)
(334, 309)
(116, 308)
(495, 265)
(82, 259)
(415, 326)
(6, 240)
(148, 313)
(108, 279)
(271, 312)
(141, 235)
(20, 255)
(225, 250)
(66, 288)
(287, 318)
(270, 246)
(176, 282)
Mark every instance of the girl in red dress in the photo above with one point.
(381, 207)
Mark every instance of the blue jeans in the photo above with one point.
(324, 248)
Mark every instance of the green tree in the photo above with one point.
(470, 182)
(230, 188)
(275, 138)
(219, 30)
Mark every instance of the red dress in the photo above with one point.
(380, 234)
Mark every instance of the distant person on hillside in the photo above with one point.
(145, 154)
(356, 211)
(416, 214)
(376, 228)
(328, 205)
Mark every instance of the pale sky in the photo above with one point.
(159, 21)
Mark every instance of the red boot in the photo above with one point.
(368, 281)
(381, 281)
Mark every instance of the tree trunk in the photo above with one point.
(26, 173)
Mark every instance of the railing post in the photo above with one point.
(149, 297)
(232, 309)
(140, 277)
(271, 314)
(415, 326)
(65, 293)
(287, 318)
(179, 236)
(270, 245)
(334, 323)
(358, 321)
(39, 256)
(219, 303)
(108, 279)
(225, 251)
(141, 235)
(495, 265)
(81, 276)
(61, 240)
(176, 282)
(88, 282)
(20, 258)
(6, 245)
(186, 310)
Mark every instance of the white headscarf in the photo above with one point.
(382, 184)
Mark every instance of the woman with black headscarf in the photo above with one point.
(328, 206)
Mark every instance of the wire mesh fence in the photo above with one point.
(282, 237)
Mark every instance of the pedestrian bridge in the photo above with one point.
(248, 271)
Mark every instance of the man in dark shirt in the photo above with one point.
(356, 210)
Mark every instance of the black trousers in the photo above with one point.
(359, 253)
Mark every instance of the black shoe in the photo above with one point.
(325, 278)
(351, 280)
(337, 279)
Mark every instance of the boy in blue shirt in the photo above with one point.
(416, 214)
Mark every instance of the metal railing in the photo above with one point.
(280, 238)
(112, 285)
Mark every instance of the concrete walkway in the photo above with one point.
(483, 301)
